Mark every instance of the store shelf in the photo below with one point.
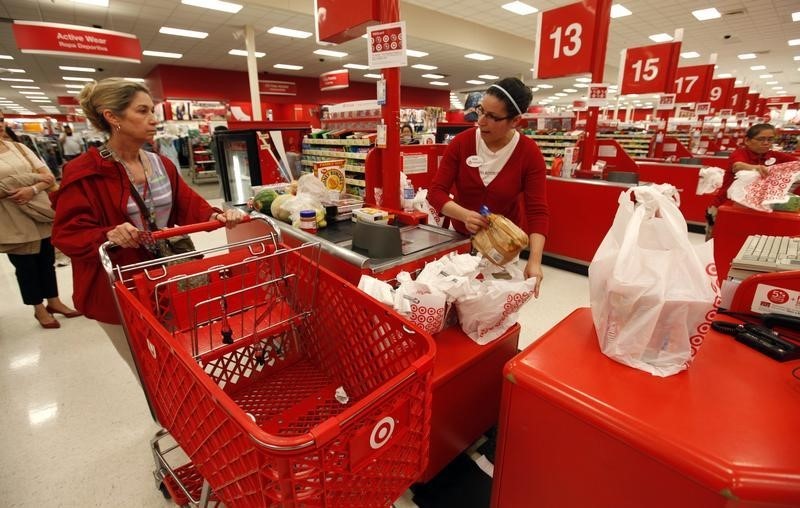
(355, 182)
(336, 154)
(338, 142)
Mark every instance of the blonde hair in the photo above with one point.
(112, 94)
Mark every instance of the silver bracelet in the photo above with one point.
(35, 190)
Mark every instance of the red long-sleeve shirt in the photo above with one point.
(92, 200)
(518, 192)
(744, 154)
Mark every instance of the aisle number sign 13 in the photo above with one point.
(566, 38)
(649, 69)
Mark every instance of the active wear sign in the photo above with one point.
(72, 40)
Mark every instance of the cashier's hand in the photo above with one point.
(125, 235)
(474, 221)
(229, 217)
(533, 269)
(762, 170)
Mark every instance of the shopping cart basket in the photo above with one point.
(283, 384)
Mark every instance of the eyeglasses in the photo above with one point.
(490, 116)
(764, 140)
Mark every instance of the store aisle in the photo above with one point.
(75, 423)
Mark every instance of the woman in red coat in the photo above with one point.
(94, 203)
(494, 165)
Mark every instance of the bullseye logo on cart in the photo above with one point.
(382, 432)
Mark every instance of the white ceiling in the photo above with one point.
(446, 29)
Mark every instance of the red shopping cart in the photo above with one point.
(281, 383)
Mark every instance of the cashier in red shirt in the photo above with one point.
(755, 155)
(494, 165)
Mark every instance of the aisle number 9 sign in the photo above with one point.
(648, 69)
(565, 41)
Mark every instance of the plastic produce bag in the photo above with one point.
(494, 305)
(650, 291)
(710, 180)
(311, 186)
(752, 191)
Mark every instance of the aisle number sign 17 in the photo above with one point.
(648, 69)
(566, 36)
(692, 83)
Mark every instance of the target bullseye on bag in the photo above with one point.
(651, 291)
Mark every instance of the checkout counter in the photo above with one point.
(579, 429)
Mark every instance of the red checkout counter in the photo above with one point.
(467, 378)
(579, 429)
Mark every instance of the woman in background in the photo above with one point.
(25, 226)
(95, 203)
(494, 165)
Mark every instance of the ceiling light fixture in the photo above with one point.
(373, 76)
(135, 80)
(6, 57)
(77, 69)
(17, 80)
(758, 67)
(619, 11)
(706, 14)
(520, 8)
(288, 67)
(28, 87)
(74, 86)
(416, 54)
(476, 82)
(478, 56)
(432, 76)
(796, 16)
(328, 52)
(30, 92)
(725, 75)
(570, 90)
(746, 56)
(540, 85)
(662, 37)
(583, 80)
(794, 42)
(15, 71)
(488, 76)
(289, 32)
(242, 52)
(424, 67)
(765, 76)
(216, 5)
(98, 3)
(162, 54)
(690, 54)
(439, 83)
(76, 78)
(771, 83)
(355, 66)
(180, 32)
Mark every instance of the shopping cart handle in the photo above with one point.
(192, 228)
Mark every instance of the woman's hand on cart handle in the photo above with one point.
(230, 217)
(124, 235)
(195, 228)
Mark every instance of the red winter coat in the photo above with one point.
(91, 201)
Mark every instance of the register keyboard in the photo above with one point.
(762, 253)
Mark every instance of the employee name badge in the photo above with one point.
(770, 161)
(474, 161)
(380, 139)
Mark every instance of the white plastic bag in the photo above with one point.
(421, 204)
(649, 289)
(310, 185)
(426, 306)
(494, 305)
(710, 180)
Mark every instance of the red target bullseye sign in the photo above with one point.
(381, 433)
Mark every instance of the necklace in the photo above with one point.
(148, 216)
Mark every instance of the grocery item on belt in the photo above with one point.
(372, 215)
(502, 241)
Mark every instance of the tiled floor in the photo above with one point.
(75, 425)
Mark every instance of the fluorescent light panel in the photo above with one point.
(490, 77)
(289, 32)
(706, 14)
(758, 67)
(434, 76)
(520, 8)
(570, 90)
(98, 3)
(619, 11)
(746, 56)
(15, 71)
(476, 82)
(478, 56)
(771, 83)
(216, 5)
(6, 57)
(416, 54)
(17, 80)
(328, 52)
(75, 78)
(662, 37)
(725, 75)
(439, 83)
(135, 80)
(242, 52)
(180, 32)
(77, 69)
(288, 67)
(540, 85)
(794, 42)
(26, 87)
(796, 16)
(690, 54)
(765, 76)
(373, 76)
(30, 92)
(355, 66)
(73, 86)
(424, 67)
(162, 54)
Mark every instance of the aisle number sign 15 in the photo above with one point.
(648, 69)
(566, 38)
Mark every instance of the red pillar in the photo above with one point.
(603, 14)
(390, 112)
